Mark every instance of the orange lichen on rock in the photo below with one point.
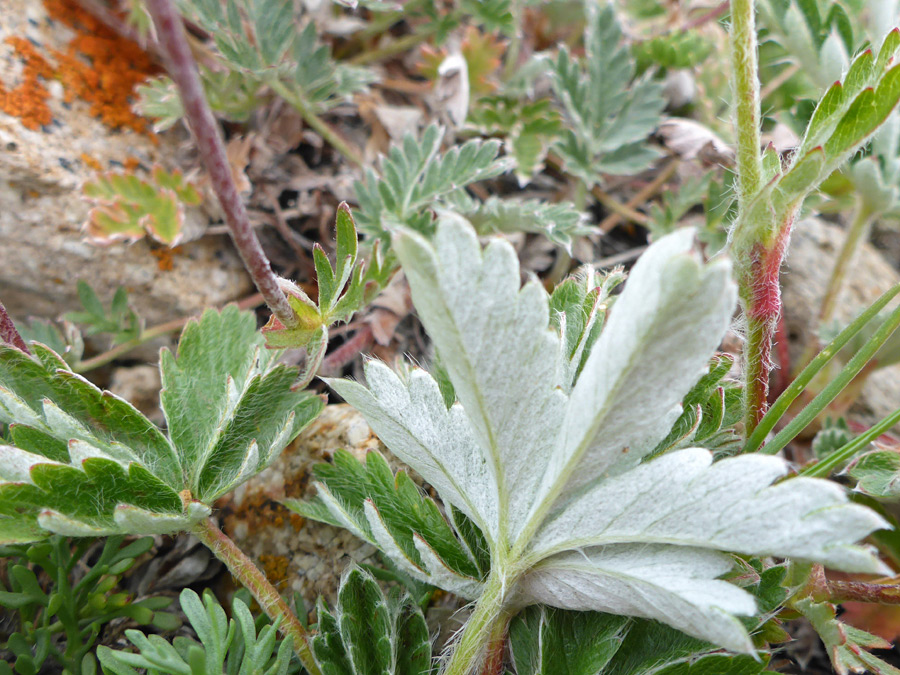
(275, 567)
(98, 66)
(28, 101)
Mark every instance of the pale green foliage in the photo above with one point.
(819, 35)
(878, 474)
(369, 633)
(541, 640)
(84, 462)
(259, 43)
(530, 128)
(561, 223)
(230, 646)
(126, 207)
(553, 475)
(845, 645)
(344, 289)
(415, 176)
(844, 119)
(608, 116)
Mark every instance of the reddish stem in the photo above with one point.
(183, 70)
(762, 309)
(8, 332)
(493, 662)
(863, 591)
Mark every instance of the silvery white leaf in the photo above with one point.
(341, 514)
(654, 347)
(673, 584)
(435, 572)
(56, 522)
(438, 443)
(717, 506)
(14, 409)
(498, 349)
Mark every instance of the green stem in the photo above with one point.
(488, 621)
(243, 569)
(837, 385)
(799, 383)
(858, 232)
(398, 46)
(746, 90)
(824, 468)
(302, 106)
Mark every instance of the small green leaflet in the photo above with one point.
(608, 117)
(369, 633)
(230, 410)
(414, 176)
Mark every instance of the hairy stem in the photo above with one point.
(243, 569)
(183, 70)
(477, 643)
(329, 135)
(8, 332)
(864, 591)
(746, 92)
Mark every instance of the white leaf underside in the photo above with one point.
(560, 478)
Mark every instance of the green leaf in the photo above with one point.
(609, 117)
(559, 482)
(231, 646)
(414, 176)
(389, 512)
(230, 409)
(846, 646)
(541, 641)
(369, 633)
(878, 474)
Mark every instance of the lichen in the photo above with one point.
(97, 66)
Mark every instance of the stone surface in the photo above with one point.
(42, 253)
(811, 255)
(297, 554)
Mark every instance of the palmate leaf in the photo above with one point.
(389, 513)
(369, 633)
(414, 176)
(609, 117)
(556, 479)
(84, 462)
(541, 640)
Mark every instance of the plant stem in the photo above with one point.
(856, 234)
(302, 106)
(746, 91)
(398, 46)
(481, 632)
(149, 334)
(864, 591)
(8, 332)
(243, 569)
(183, 70)
(838, 457)
(799, 383)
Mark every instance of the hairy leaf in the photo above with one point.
(609, 116)
(583, 519)
(370, 634)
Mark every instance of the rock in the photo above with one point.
(813, 248)
(297, 554)
(42, 169)
(139, 385)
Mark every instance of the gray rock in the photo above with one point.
(811, 255)
(42, 252)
